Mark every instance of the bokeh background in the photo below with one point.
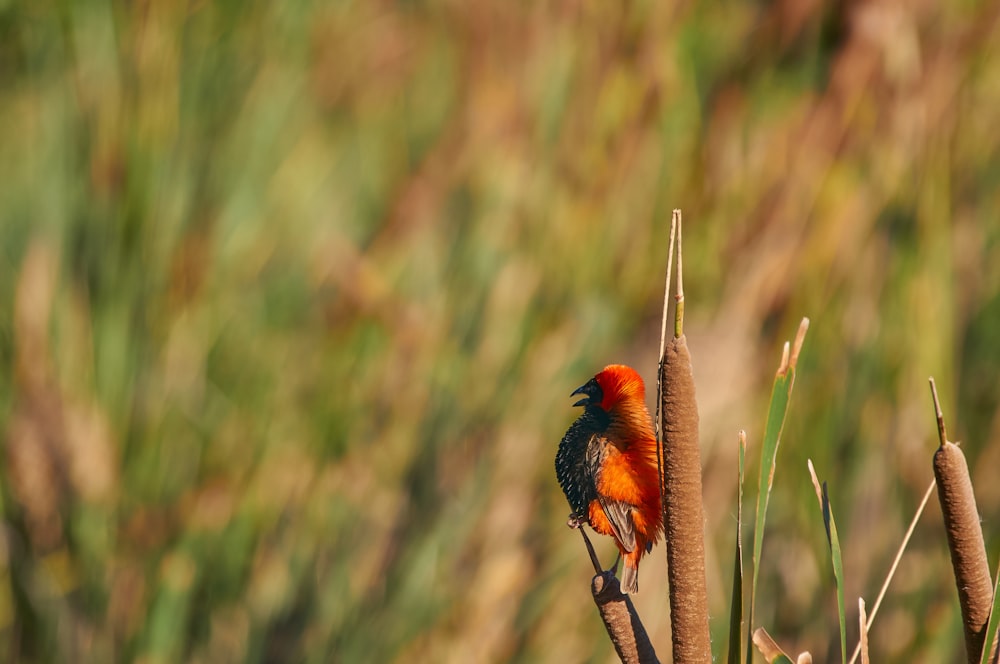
(293, 295)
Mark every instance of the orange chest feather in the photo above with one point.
(629, 476)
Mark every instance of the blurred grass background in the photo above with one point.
(294, 294)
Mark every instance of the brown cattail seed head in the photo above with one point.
(965, 541)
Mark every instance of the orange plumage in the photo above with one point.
(606, 466)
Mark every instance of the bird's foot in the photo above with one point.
(575, 521)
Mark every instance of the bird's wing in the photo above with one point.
(619, 515)
(619, 512)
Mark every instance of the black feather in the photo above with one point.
(575, 469)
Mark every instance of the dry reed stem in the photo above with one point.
(666, 287)
(684, 521)
(679, 308)
(965, 537)
(895, 564)
(767, 646)
(621, 620)
(663, 338)
(863, 624)
(771, 651)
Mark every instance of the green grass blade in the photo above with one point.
(833, 540)
(781, 394)
(838, 570)
(736, 604)
(991, 626)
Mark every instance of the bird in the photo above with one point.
(606, 465)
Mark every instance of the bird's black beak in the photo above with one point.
(594, 393)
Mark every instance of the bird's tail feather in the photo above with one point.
(630, 579)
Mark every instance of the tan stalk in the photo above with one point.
(663, 342)
(895, 564)
(863, 624)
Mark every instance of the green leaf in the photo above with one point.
(781, 394)
(736, 604)
(838, 569)
(991, 627)
(833, 540)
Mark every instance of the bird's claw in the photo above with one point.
(575, 521)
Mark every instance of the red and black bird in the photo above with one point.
(606, 466)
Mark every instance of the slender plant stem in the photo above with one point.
(895, 564)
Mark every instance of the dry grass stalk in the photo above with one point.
(663, 334)
(767, 646)
(895, 565)
(965, 537)
(771, 651)
(863, 623)
(684, 520)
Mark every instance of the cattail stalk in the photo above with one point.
(621, 620)
(965, 538)
(618, 613)
(680, 466)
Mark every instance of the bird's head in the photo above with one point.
(615, 384)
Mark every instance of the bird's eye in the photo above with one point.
(592, 391)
